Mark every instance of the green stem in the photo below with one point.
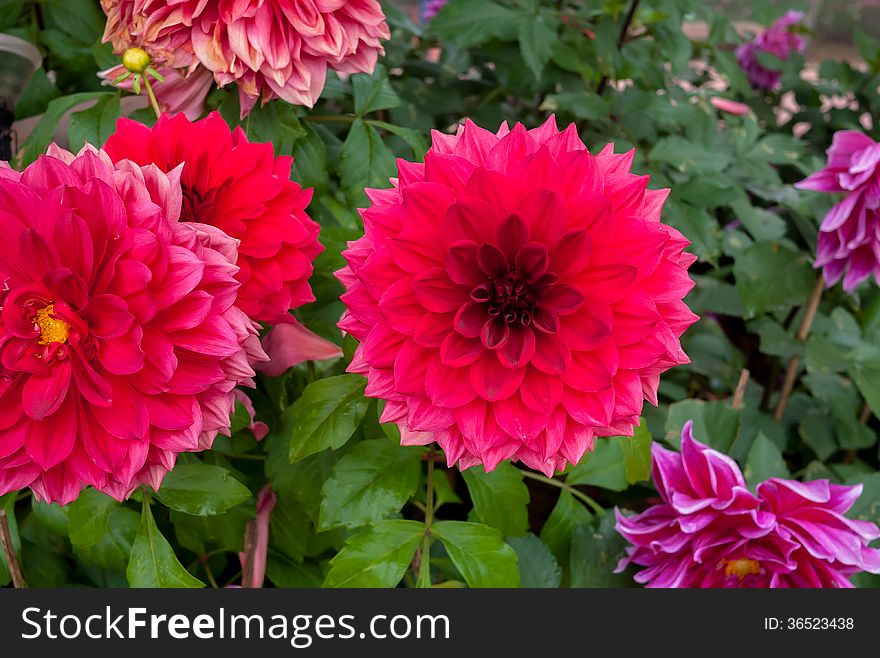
(559, 484)
(425, 558)
(153, 102)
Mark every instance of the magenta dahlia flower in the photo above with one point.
(711, 531)
(781, 39)
(432, 8)
(270, 48)
(515, 296)
(245, 191)
(120, 341)
(848, 237)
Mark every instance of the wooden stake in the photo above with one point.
(9, 552)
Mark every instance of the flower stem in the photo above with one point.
(425, 557)
(9, 552)
(802, 333)
(153, 102)
(559, 484)
(624, 28)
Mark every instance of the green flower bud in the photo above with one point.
(136, 60)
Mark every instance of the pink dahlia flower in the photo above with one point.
(849, 237)
(180, 92)
(781, 39)
(270, 48)
(245, 191)
(515, 296)
(711, 531)
(120, 344)
(729, 106)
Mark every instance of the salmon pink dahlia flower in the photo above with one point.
(849, 237)
(120, 343)
(270, 48)
(515, 296)
(711, 531)
(242, 189)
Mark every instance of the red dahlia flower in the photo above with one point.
(274, 48)
(120, 344)
(516, 296)
(245, 191)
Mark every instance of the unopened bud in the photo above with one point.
(136, 60)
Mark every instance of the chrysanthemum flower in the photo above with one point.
(781, 39)
(848, 237)
(120, 343)
(711, 531)
(515, 296)
(245, 191)
(270, 48)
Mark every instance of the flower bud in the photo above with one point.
(136, 60)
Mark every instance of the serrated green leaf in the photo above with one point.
(603, 467)
(376, 558)
(537, 566)
(469, 22)
(326, 415)
(479, 553)
(44, 131)
(201, 489)
(374, 479)
(500, 498)
(94, 125)
(537, 37)
(373, 92)
(153, 562)
(772, 277)
(114, 550)
(567, 515)
(364, 162)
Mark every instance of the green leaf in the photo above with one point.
(701, 228)
(537, 566)
(537, 36)
(203, 534)
(567, 515)
(113, 551)
(89, 517)
(470, 22)
(287, 573)
(868, 382)
(373, 92)
(326, 415)
(364, 162)
(153, 563)
(603, 467)
(637, 453)
(595, 552)
(310, 161)
(373, 480)
(769, 61)
(201, 489)
(51, 515)
(764, 461)
(689, 157)
(500, 498)
(817, 430)
(773, 277)
(581, 104)
(376, 558)
(867, 507)
(479, 553)
(414, 138)
(715, 423)
(240, 418)
(94, 125)
(290, 527)
(44, 131)
(760, 223)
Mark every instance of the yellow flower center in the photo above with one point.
(741, 568)
(136, 60)
(52, 330)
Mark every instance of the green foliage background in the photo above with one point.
(352, 503)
